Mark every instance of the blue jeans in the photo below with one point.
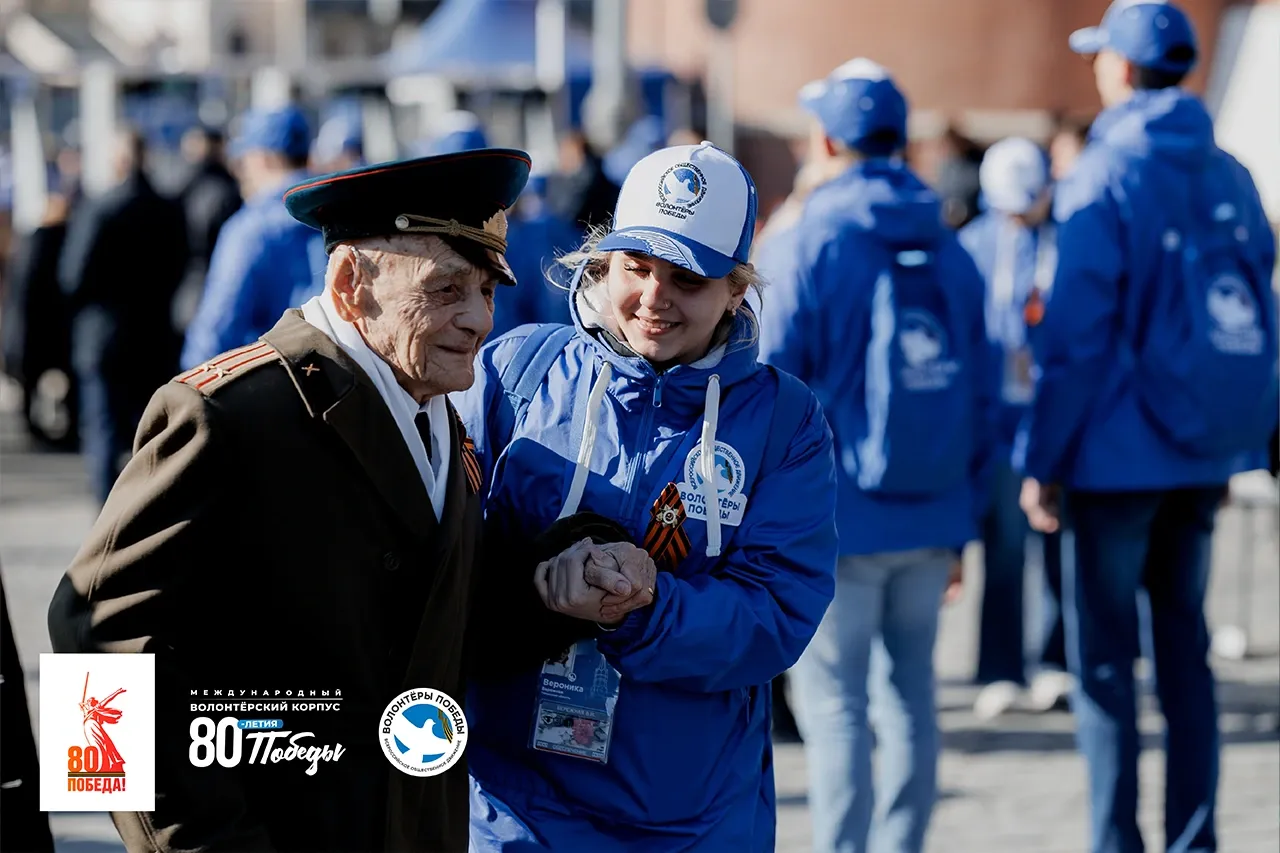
(1001, 655)
(871, 664)
(1160, 541)
(106, 432)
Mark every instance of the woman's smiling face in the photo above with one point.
(666, 313)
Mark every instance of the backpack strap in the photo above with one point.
(529, 366)
(789, 409)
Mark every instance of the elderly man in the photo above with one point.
(301, 514)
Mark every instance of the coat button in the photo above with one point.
(391, 561)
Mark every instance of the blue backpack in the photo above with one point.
(1205, 371)
(918, 436)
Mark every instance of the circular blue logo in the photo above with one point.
(423, 732)
(683, 185)
(921, 338)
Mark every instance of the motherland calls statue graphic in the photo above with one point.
(97, 716)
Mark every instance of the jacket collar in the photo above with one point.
(334, 389)
(732, 356)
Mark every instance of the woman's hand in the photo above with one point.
(576, 582)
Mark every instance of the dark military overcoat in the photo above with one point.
(271, 532)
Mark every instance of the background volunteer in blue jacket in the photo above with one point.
(774, 256)
(883, 318)
(1158, 360)
(265, 261)
(1012, 242)
(650, 733)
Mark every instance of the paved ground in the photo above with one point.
(1016, 785)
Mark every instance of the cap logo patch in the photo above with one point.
(497, 225)
(680, 189)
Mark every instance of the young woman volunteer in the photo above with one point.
(650, 733)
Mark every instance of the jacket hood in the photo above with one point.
(732, 356)
(886, 197)
(1166, 123)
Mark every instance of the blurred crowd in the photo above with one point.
(88, 352)
(111, 296)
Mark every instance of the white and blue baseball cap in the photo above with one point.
(859, 105)
(692, 205)
(1013, 175)
(1151, 34)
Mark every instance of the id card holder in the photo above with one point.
(577, 696)
(1018, 387)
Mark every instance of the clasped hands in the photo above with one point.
(598, 583)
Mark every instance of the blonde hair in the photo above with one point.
(743, 276)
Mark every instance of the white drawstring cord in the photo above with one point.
(710, 421)
(589, 427)
(710, 493)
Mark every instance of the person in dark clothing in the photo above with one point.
(25, 829)
(581, 193)
(124, 259)
(37, 329)
(211, 193)
(209, 198)
(957, 179)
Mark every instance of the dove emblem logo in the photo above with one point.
(423, 732)
(923, 342)
(680, 190)
(1231, 306)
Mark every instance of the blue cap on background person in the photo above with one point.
(1149, 33)
(692, 205)
(1014, 175)
(282, 131)
(859, 106)
(338, 136)
(456, 131)
(644, 137)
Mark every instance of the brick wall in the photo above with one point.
(994, 67)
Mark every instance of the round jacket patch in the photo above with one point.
(730, 477)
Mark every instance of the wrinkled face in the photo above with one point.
(423, 308)
(666, 313)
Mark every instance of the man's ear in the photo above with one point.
(344, 281)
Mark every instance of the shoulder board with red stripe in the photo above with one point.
(217, 371)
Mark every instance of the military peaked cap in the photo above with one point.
(462, 198)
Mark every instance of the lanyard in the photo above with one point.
(1002, 283)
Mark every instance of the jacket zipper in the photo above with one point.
(646, 425)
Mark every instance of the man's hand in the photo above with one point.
(1041, 504)
(576, 581)
(638, 568)
(955, 582)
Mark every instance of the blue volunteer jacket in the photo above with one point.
(1088, 430)
(1032, 263)
(264, 263)
(689, 761)
(815, 324)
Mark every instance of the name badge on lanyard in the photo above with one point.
(577, 699)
